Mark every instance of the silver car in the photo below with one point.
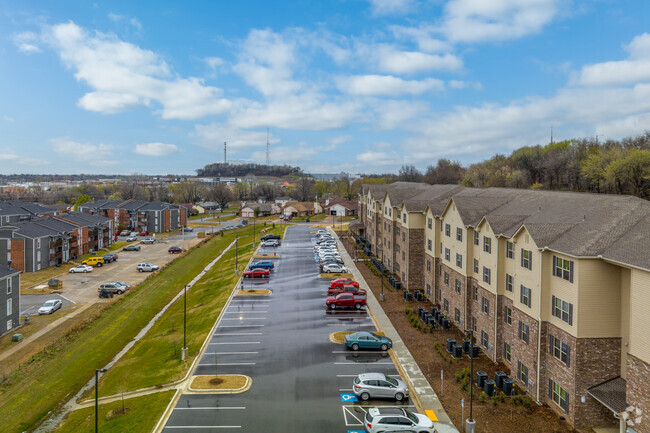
(147, 267)
(334, 268)
(378, 385)
(50, 306)
(396, 419)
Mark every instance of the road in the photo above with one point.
(300, 379)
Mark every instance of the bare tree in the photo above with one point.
(445, 172)
(187, 192)
(408, 173)
(221, 194)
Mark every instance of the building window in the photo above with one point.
(558, 395)
(522, 373)
(9, 306)
(429, 246)
(447, 230)
(447, 254)
(485, 305)
(459, 234)
(487, 245)
(459, 260)
(428, 265)
(404, 217)
(509, 282)
(485, 339)
(9, 322)
(457, 315)
(440, 225)
(390, 212)
(446, 305)
(446, 279)
(486, 275)
(475, 293)
(384, 225)
(507, 314)
(559, 350)
(510, 250)
(562, 310)
(476, 265)
(457, 285)
(429, 223)
(428, 289)
(563, 268)
(399, 214)
(403, 255)
(506, 351)
(524, 332)
(397, 267)
(397, 230)
(475, 238)
(525, 296)
(9, 288)
(397, 248)
(526, 259)
(474, 328)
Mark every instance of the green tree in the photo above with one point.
(83, 198)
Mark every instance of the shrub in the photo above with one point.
(526, 402)
(502, 397)
(483, 397)
(516, 400)
(495, 399)
(464, 384)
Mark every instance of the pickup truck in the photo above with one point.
(265, 264)
(269, 237)
(346, 300)
(345, 288)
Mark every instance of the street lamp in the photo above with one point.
(184, 351)
(97, 371)
(470, 424)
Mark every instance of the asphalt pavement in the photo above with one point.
(301, 381)
(29, 304)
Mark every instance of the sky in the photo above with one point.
(360, 86)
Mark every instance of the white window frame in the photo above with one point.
(10, 306)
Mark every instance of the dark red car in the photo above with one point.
(345, 300)
(345, 288)
(340, 282)
(144, 233)
(175, 250)
(256, 273)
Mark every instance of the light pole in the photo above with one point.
(470, 424)
(184, 351)
(97, 371)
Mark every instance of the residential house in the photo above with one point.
(9, 299)
(341, 208)
(301, 209)
(263, 209)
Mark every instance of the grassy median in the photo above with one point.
(62, 369)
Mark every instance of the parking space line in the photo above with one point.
(210, 408)
(228, 363)
(199, 426)
(231, 353)
(238, 326)
(238, 342)
(245, 318)
(365, 351)
(237, 333)
(244, 312)
(346, 375)
(356, 363)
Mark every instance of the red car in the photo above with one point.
(345, 288)
(345, 300)
(175, 250)
(340, 282)
(256, 273)
(144, 233)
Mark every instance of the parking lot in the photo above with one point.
(301, 381)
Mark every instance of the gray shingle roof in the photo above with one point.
(32, 230)
(55, 224)
(6, 271)
(84, 219)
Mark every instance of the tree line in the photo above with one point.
(241, 170)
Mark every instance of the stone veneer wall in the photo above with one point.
(484, 322)
(429, 277)
(415, 258)
(448, 292)
(638, 390)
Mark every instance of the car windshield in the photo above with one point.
(411, 416)
(391, 381)
(49, 303)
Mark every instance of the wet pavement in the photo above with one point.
(299, 377)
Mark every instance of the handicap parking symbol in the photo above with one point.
(347, 398)
(356, 431)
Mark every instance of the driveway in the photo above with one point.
(29, 304)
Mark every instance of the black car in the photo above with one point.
(131, 248)
(269, 237)
(110, 257)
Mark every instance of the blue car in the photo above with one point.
(367, 340)
(265, 264)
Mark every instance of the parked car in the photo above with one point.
(131, 238)
(269, 237)
(378, 385)
(335, 268)
(346, 300)
(343, 282)
(144, 233)
(110, 257)
(81, 268)
(117, 232)
(94, 261)
(189, 229)
(114, 287)
(147, 267)
(396, 419)
(345, 288)
(148, 241)
(256, 273)
(50, 306)
(270, 243)
(367, 340)
(131, 248)
(264, 264)
(175, 250)
(122, 283)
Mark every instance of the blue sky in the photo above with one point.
(350, 85)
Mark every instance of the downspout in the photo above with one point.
(496, 299)
(539, 324)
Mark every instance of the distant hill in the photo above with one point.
(241, 170)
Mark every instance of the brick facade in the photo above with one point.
(638, 384)
(166, 220)
(428, 277)
(18, 254)
(448, 292)
(522, 352)
(415, 258)
(484, 321)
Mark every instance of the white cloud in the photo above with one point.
(335, 141)
(9, 157)
(125, 76)
(27, 42)
(156, 149)
(423, 37)
(135, 23)
(459, 84)
(387, 85)
(634, 70)
(495, 20)
(379, 158)
(213, 135)
(392, 60)
(399, 114)
(301, 152)
(8, 118)
(391, 7)
(86, 153)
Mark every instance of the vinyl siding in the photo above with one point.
(639, 317)
(560, 288)
(452, 217)
(599, 299)
(528, 277)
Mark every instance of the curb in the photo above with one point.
(246, 387)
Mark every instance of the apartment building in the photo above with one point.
(13, 211)
(9, 299)
(555, 285)
(139, 215)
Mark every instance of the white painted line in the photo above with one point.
(230, 353)
(346, 375)
(238, 326)
(191, 427)
(69, 300)
(245, 318)
(244, 312)
(237, 333)
(210, 408)
(358, 353)
(240, 342)
(229, 363)
(356, 363)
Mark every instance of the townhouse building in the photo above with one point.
(554, 285)
(139, 215)
(13, 211)
(9, 299)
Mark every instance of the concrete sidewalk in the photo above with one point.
(420, 387)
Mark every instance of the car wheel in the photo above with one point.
(357, 306)
(355, 347)
(85, 271)
(384, 347)
(332, 306)
(140, 270)
(119, 292)
(365, 396)
(399, 396)
(99, 265)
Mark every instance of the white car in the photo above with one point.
(131, 238)
(270, 243)
(148, 241)
(81, 268)
(395, 419)
(147, 267)
(50, 306)
(335, 268)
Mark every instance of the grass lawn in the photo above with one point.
(311, 218)
(28, 395)
(141, 415)
(29, 279)
(118, 246)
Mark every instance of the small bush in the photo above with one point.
(495, 399)
(483, 397)
(526, 402)
(464, 384)
(408, 311)
(516, 400)
(502, 397)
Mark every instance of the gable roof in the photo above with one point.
(348, 204)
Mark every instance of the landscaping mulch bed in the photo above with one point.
(490, 418)
(220, 382)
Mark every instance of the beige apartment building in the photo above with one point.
(555, 285)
